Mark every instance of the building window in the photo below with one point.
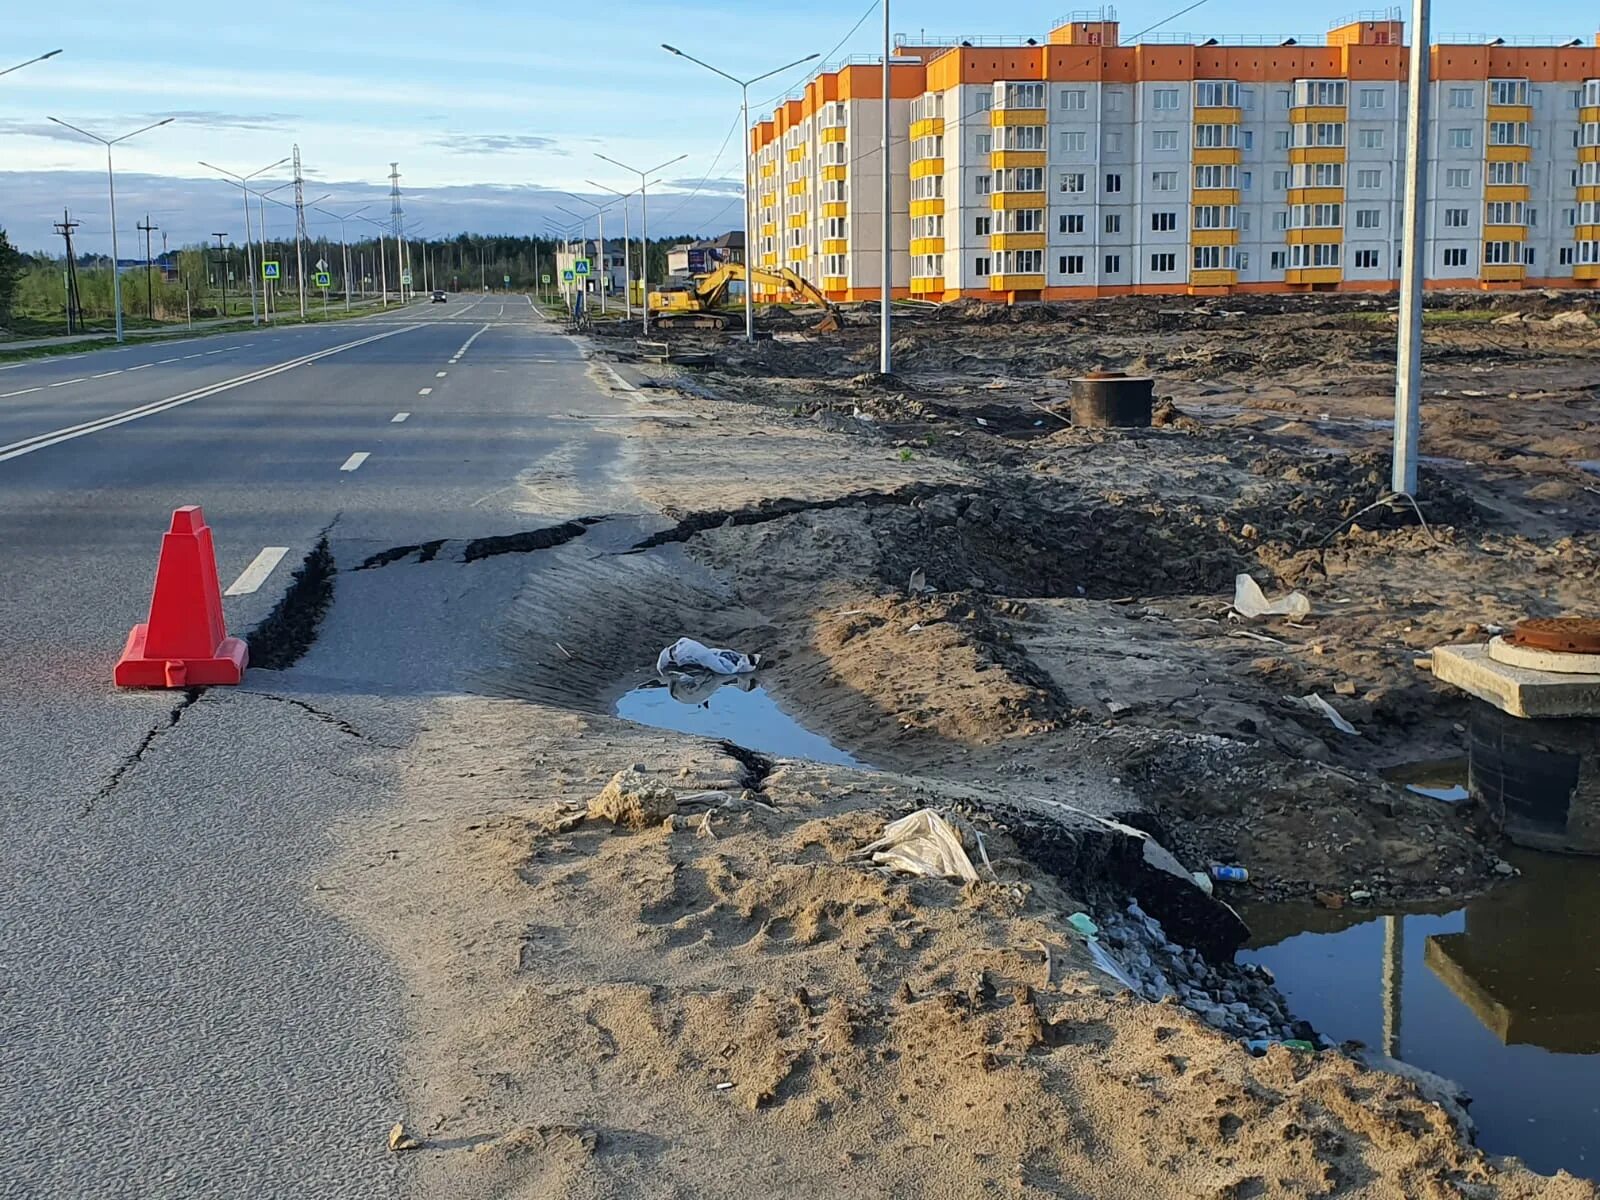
(1163, 222)
(1316, 216)
(1246, 180)
(1458, 177)
(1457, 218)
(1315, 254)
(834, 229)
(1496, 254)
(1460, 97)
(1213, 258)
(1247, 98)
(1167, 99)
(1369, 179)
(834, 266)
(1366, 260)
(1217, 216)
(1247, 139)
(1280, 180)
(1022, 262)
(1370, 97)
(1162, 263)
(1113, 222)
(1455, 256)
(1280, 139)
(1113, 184)
(1074, 99)
(1016, 137)
(984, 143)
(1211, 176)
(1508, 133)
(1319, 133)
(1369, 139)
(1216, 136)
(981, 226)
(1461, 139)
(1216, 94)
(1369, 218)
(1071, 264)
(1071, 222)
(1163, 181)
(1113, 141)
(983, 184)
(1508, 91)
(1113, 264)
(1164, 139)
(1113, 101)
(1504, 212)
(1074, 141)
(1074, 181)
(1277, 260)
(1020, 95)
(980, 266)
(1280, 218)
(1321, 93)
(1024, 220)
(1504, 174)
(1565, 256)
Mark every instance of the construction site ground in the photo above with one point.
(697, 987)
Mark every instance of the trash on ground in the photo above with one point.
(1317, 704)
(400, 1140)
(1449, 795)
(686, 652)
(1250, 601)
(923, 843)
(1229, 874)
(1084, 924)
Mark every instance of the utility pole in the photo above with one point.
(222, 275)
(149, 292)
(64, 227)
(888, 216)
(397, 226)
(300, 231)
(1408, 359)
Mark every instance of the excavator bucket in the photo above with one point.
(828, 324)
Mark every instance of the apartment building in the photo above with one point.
(1074, 167)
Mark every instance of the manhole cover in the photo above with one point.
(1568, 635)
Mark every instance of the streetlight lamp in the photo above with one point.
(600, 218)
(344, 246)
(244, 192)
(261, 230)
(111, 181)
(627, 257)
(30, 62)
(744, 91)
(644, 223)
(583, 243)
(383, 264)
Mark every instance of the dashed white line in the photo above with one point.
(107, 374)
(141, 367)
(186, 357)
(440, 374)
(256, 573)
(23, 392)
(161, 362)
(355, 460)
(398, 418)
(425, 392)
(213, 352)
(64, 382)
(467, 345)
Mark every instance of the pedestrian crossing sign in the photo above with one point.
(269, 270)
(581, 266)
(566, 276)
(324, 280)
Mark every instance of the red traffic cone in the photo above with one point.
(184, 643)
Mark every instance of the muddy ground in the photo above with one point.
(1078, 581)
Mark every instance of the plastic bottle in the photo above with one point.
(1229, 874)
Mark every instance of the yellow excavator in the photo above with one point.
(693, 303)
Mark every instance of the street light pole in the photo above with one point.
(223, 275)
(644, 224)
(744, 160)
(1408, 359)
(111, 188)
(244, 190)
(30, 62)
(600, 218)
(627, 255)
(344, 245)
(887, 285)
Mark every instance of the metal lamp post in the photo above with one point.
(627, 257)
(644, 223)
(383, 263)
(30, 62)
(111, 182)
(261, 230)
(744, 158)
(583, 239)
(344, 246)
(244, 189)
(600, 217)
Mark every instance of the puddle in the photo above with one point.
(1501, 995)
(751, 719)
(1443, 779)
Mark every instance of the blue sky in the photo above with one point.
(490, 108)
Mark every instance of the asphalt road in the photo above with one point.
(179, 1016)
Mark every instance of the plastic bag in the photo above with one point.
(686, 652)
(1250, 601)
(923, 843)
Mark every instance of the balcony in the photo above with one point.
(1503, 272)
(1016, 283)
(1016, 241)
(1313, 275)
(1218, 278)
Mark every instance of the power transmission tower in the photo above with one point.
(397, 223)
(300, 231)
(64, 227)
(149, 290)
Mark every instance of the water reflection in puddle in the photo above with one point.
(1502, 995)
(748, 718)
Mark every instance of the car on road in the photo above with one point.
(438, 297)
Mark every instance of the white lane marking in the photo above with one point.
(440, 374)
(64, 382)
(107, 374)
(398, 417)
(141, 367)
(425, 392)
(210, 352)
(355, 460)
(56, 436)
(23, 392)
(467, 345)
(187, 357)
(256, 573)
(161, 362)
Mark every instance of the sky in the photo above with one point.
(492, 110)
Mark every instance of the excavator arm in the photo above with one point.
(710, 292)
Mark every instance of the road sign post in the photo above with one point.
(270, 270)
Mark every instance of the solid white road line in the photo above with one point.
(425, 392)
(256, 573)
(398, 417)
(56, 436)
(355, 460)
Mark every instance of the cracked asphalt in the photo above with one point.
(179, 1013)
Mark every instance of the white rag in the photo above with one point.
(686, 652)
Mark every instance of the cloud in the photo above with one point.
(40, 129)
(717, 187)
(496, 143)
(212, 119)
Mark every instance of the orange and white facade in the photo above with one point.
(1078, 167)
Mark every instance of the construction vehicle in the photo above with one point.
(693, 303)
